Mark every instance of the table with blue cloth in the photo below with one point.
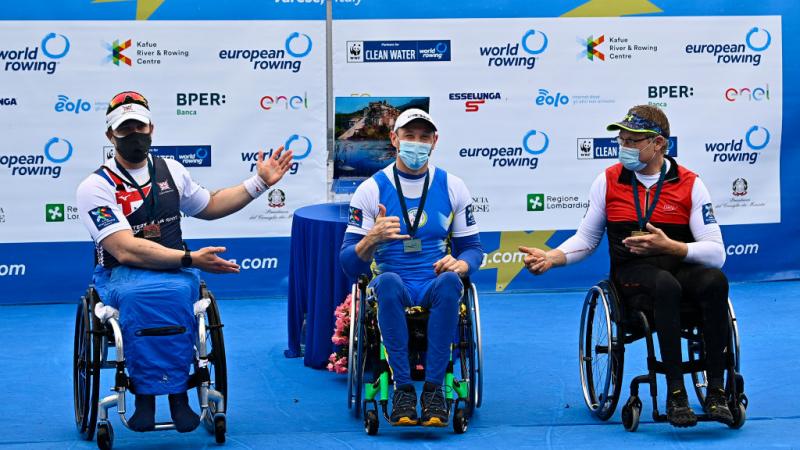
(317, 284)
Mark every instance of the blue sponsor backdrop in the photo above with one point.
(58, 272)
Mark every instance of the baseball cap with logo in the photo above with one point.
(637, 123)
(410, 115)
(127, 105)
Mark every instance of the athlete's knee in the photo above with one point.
(388, 286)
(447, 288)
(666, 287)
(449, 281)
(712, 286)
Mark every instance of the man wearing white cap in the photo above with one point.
(132, 207)
(416, 222)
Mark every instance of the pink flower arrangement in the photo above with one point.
(337, 362)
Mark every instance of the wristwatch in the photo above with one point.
(186, 260)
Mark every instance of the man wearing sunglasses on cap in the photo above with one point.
(664, 242)
(132, 208)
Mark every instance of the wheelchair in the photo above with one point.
(94, 338)
(607, 326)
(367, 354)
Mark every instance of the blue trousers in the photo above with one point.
(148, 299)
(440, 297)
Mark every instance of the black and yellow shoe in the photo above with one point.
(434, 407)
(679, 414)
(717, 407)
(404, 406)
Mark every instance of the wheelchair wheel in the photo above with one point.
(351, 348)
(471, 355)
(358, 355)
(217, 363)
(86, 368)
(600, 353)
(105, 436)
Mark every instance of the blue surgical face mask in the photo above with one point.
(414, 154)
(629, 157)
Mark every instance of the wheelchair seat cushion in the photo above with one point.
(158, 325)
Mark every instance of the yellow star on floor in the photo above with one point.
(612, 8)
(144, 8)
(507, 259)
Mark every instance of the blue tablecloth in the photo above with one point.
(317, 283)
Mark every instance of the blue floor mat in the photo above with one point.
(532, 394)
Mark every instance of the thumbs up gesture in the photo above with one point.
(386, 228)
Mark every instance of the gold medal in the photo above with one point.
(635, 233)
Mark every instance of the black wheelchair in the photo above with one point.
(607, 326)
(367, 355)
(94, 338)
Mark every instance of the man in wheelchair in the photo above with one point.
(132, 207)
(665, 246)
(412, 259)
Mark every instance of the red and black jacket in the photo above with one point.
(672, 212)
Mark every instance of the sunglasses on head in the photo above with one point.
(127, 97)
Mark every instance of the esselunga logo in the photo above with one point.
(56, 152)
(526, 155)
(296, 47)
(745, 149)
(533, 43)
(474, 100)
(53, 47)
(756, 40)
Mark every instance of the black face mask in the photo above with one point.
(134, 147)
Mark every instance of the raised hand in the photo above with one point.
(273, 169)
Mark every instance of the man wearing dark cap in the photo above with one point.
(664, 242)
(132, 207)
(406, 217)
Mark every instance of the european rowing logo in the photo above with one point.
(290, 58)
(526, 154)
(756, 40)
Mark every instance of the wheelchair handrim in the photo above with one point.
(590, 397)
(354, 293)
(479, 348)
